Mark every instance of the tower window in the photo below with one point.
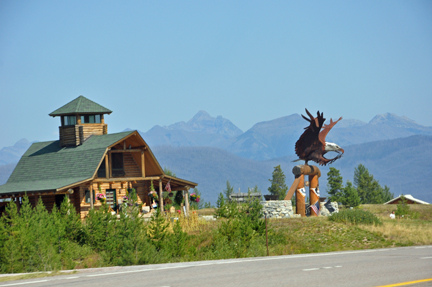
(90, 119)
(69, 120)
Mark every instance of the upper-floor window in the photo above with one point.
(69, 120)
(91, 119)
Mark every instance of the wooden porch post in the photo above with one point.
(187, 200)
(91, 196)
(161, 204)
(142, 164)
(110, 164)
(107, 172)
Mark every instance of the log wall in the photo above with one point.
(131, 168)
(77, 134)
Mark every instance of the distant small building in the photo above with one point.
(409, 200)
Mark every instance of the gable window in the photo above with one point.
(117, 165)
(91, 119)
(69, 120)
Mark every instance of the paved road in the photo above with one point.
(348, 268)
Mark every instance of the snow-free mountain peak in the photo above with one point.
(394, 121)
(203, 123)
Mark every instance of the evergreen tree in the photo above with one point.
(368, 188)
(350, 196)
(334, 185)
(178, 240)
(402, 207)
(361, 178)
(228, 191)
(158, 230)
(220, 206)
(278, 186)
(169, 172)
(387, 195)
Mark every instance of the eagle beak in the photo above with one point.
(341, 150)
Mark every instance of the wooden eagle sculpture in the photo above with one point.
(312, 145)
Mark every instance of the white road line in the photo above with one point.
(73, 277)
(22, 283)
(311, 269)
(426, 257)
(327, 267)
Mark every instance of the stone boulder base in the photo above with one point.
(277, 208)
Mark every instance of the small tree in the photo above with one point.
(334, 185)
(169, 172)
(350, 196)
(220, 206)
(278, 186)
(228, 191)
(402, 207)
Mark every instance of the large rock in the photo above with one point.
(277, 208)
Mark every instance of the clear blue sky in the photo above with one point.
(160, 62)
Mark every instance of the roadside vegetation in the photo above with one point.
(33, 239)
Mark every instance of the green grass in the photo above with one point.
(209, 240)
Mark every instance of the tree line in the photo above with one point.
(365, 190)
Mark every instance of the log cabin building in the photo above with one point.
(87, 160)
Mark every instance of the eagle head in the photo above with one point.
(333, 147)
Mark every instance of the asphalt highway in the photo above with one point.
(408, 266)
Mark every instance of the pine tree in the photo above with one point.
(368, 188)
(158, 230)
(350, 196)
(278, 186)
(220, 206)
(334, 185)
(387, 195)
(228, 191)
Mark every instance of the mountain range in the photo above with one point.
(276, 138)
(211, 150)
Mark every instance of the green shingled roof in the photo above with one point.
(80, 105)
(47, 166)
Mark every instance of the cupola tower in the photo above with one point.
(80, 119)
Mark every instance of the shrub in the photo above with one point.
(402, 208)
(355, 216)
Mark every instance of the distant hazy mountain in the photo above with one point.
(12, 154)
(201, 130)
(276, 138)
(270, 139)
(6, 171)
(203, 123)
(405, 165)
(381, 127)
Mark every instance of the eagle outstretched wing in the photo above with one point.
(309, 141)
(326, 129)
